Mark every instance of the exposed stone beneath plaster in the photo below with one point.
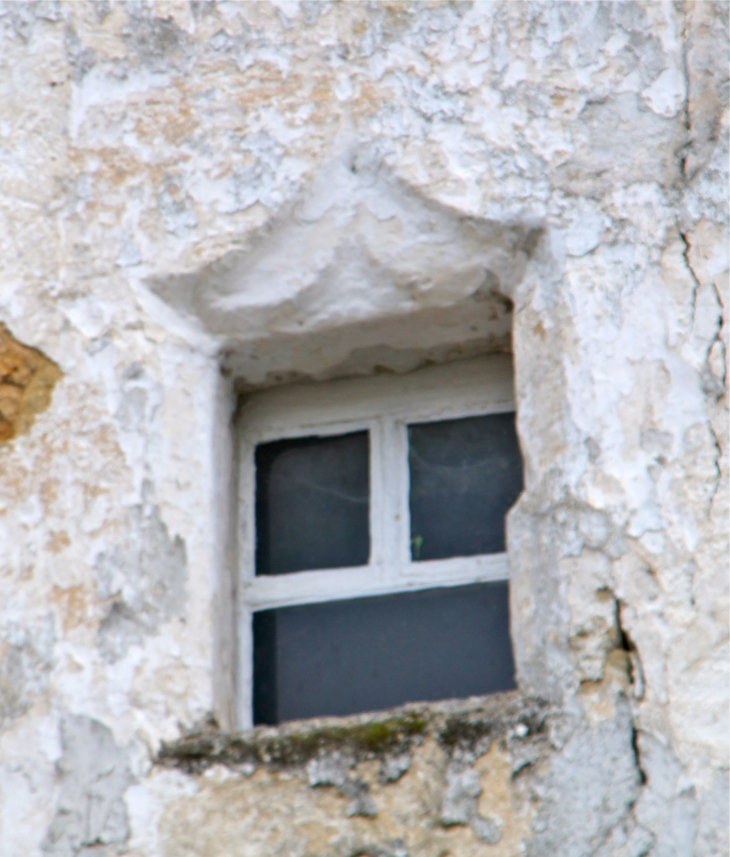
(27, 378)
(142, 586)
(26, 658)
(91, 816)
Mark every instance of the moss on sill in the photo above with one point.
(455, 724)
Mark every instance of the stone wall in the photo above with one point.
(202, 198)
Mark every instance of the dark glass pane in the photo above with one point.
(312, 503)
(465, 476)
(367, 654)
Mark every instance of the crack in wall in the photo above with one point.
(696, 283)
(711, 386)
(720, 392)
(716, 460)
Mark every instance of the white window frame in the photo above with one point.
(384, 405)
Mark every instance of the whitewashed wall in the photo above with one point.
(195, 196)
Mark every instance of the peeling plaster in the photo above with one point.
(94, 774)
(142, 586)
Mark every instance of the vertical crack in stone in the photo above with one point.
(717, 455)
(636, 667)
(27, 378)
(637, 755)
(710, 384)
(628, 833)
(636, 678)
(695, 281)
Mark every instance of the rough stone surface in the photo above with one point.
(200, 199)
(393, 767)
(594, 778)
(460, 796)
(457, 794)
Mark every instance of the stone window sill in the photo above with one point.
(463, 728)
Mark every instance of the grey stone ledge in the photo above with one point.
(464, 728)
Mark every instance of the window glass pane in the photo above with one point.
(465, 475)
(312, 503)
(366, 654)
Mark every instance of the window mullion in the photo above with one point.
(395, 496)
(378, 494)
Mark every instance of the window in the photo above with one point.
(372, 554)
